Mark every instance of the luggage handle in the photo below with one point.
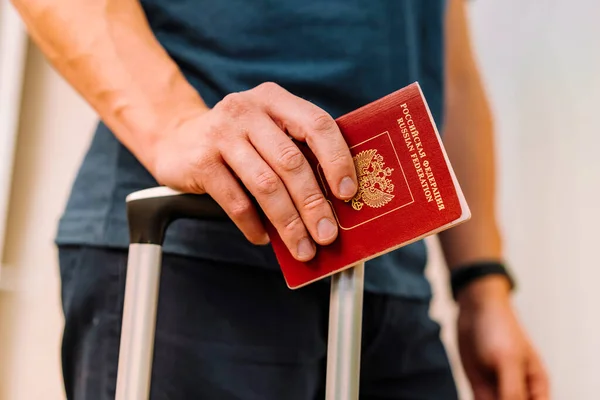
(149, 213)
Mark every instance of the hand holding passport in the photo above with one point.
(407, 188)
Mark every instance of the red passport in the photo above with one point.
(407, 188)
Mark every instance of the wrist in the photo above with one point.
(481, 281)
(491, 289)
(160, 120)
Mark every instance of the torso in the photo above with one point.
(339, 54)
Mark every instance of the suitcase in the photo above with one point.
(149, 213)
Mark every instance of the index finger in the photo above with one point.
(306, 122)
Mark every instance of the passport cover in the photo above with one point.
(407, 188)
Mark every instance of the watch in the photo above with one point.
(464, 275)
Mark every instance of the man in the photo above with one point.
(200, 96)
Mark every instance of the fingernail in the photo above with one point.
(325, 229)
(305, 248)
(347, 187)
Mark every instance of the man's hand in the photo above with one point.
(246, 136)
(106, 50)
(497, 356)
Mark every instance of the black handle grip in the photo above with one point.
(151, 211)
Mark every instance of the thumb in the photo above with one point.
(511, 381)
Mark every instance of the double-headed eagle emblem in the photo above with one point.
(375, 189)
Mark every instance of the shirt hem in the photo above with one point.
(220, 244)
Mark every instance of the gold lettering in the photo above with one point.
(423, 168)
(419, 145)
(405, 135)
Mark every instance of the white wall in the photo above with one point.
(55, 128)
(541, 60)
(13, 45)
(541, 63)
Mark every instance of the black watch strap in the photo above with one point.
(464, 275)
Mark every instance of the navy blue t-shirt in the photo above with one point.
(338, 54)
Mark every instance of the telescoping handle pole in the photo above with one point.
(149, 214)
(345, 331)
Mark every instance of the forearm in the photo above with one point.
(107, 52)
(469, 141)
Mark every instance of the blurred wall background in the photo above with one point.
(540, 61)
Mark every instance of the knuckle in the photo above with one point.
(313, 201)
(340, 157)
(323, 123)
(291, 159)
(268, 93)
(235, 105)
(267, 183)
(239, 208)
(268, 87)
(292, 223)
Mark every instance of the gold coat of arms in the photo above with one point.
(375, 188)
